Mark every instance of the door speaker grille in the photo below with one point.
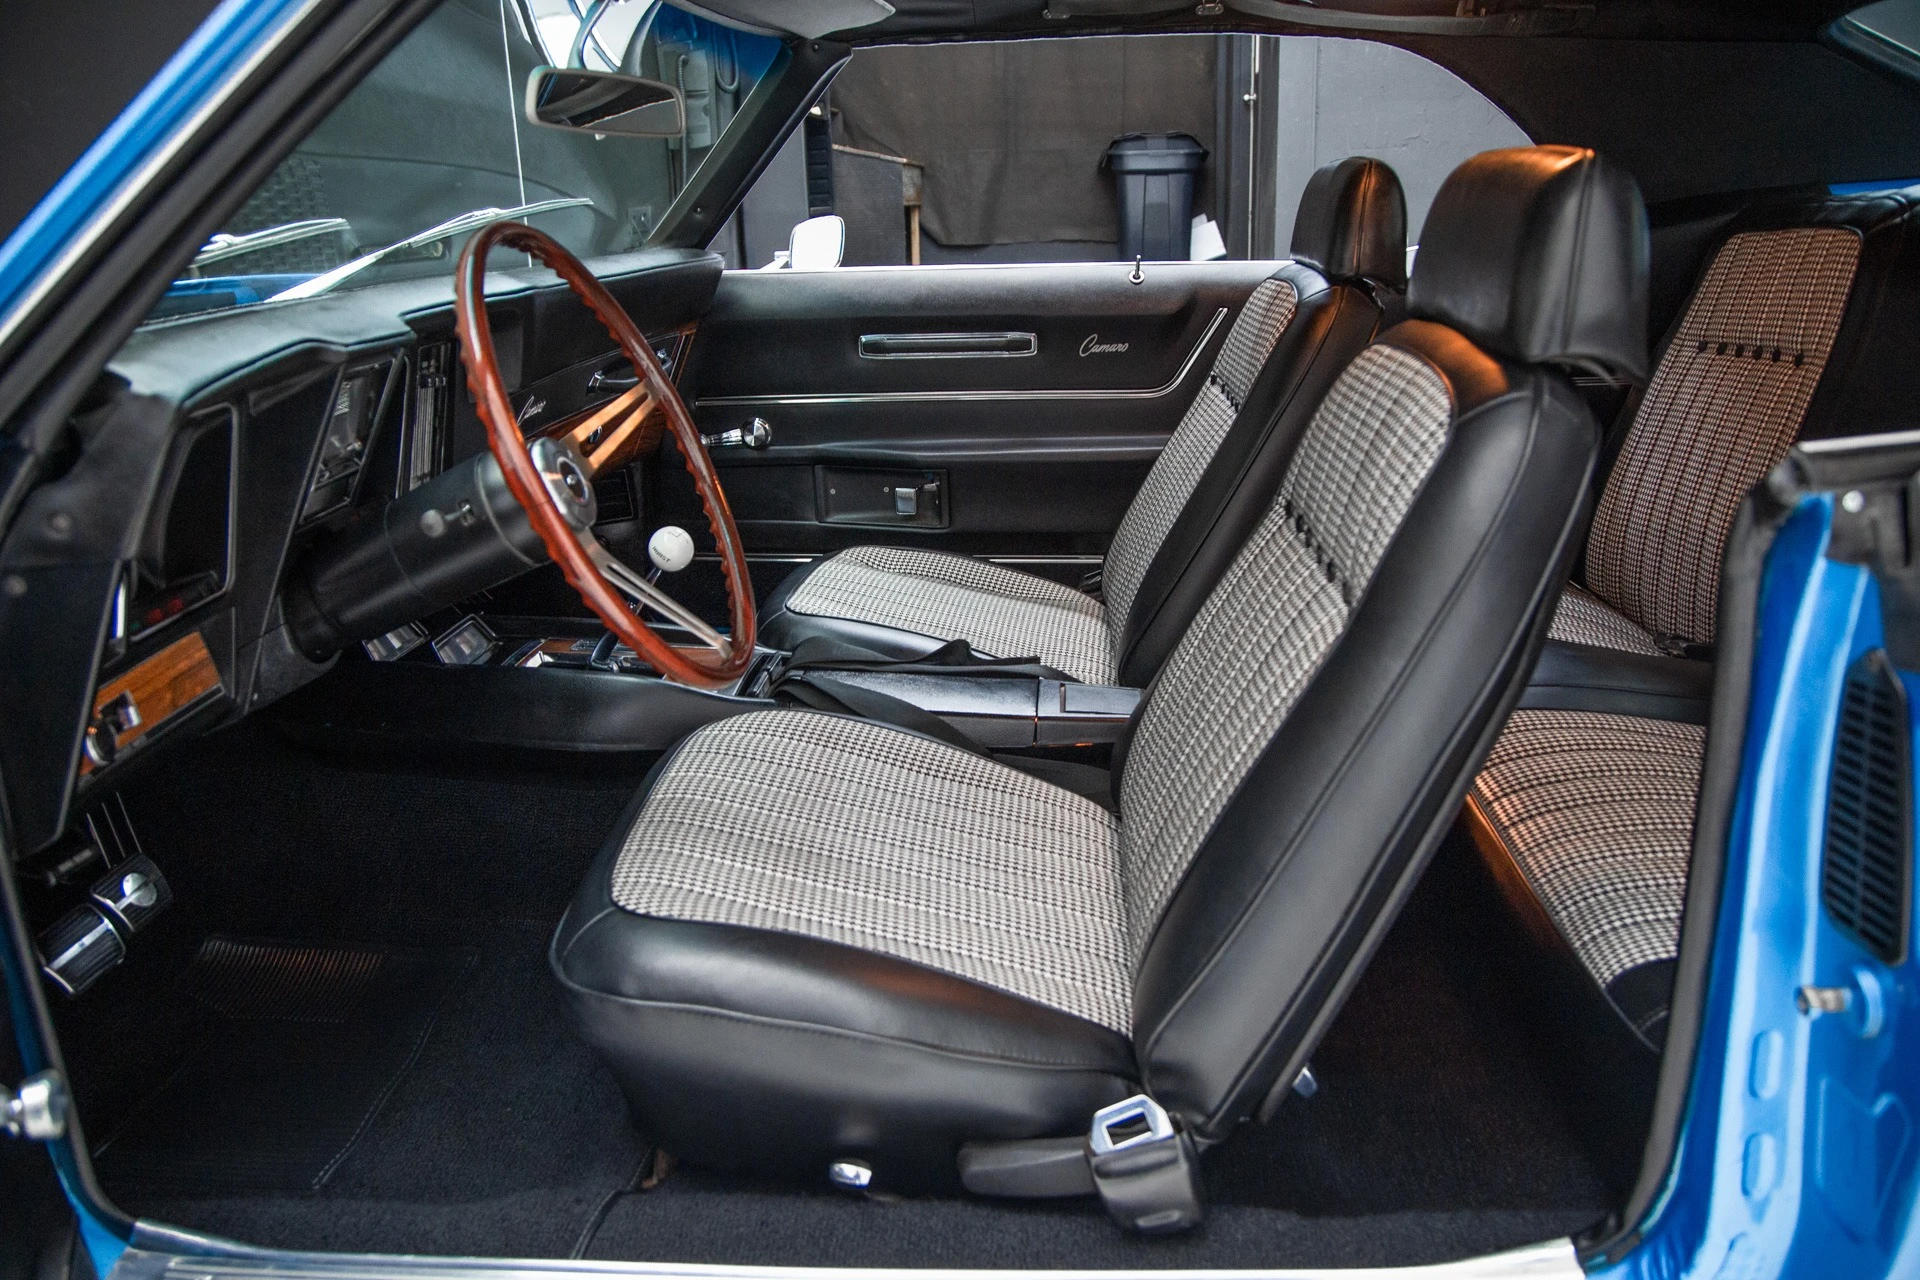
(1869, 841)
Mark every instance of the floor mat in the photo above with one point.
(294, 1052)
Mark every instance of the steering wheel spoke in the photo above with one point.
(601, 436)
(550, 478)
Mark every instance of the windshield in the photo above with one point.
(433, 144)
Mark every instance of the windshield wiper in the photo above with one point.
(223, 246)
(451, 227)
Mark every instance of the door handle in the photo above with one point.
(607, 381)
(946, 346)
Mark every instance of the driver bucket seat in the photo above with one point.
(819, 945)
(1206, 491)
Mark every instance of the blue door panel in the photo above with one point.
(1798, 1154)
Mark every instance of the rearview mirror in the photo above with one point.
(604, 102)
(818, 243)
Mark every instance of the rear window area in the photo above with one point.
(996, 151)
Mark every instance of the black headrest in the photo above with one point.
(1539, 254)
(1352, 223)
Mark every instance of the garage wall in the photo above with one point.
(1337, 98)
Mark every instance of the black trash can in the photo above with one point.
(1154, 176)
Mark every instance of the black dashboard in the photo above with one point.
(219, 450)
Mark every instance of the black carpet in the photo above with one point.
(1437, 1132)
(700, 1218)
(294, 1054)
(1435, 1135)
(501, 1138)
(1436, 1091)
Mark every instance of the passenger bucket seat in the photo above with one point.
(815, 942)
(1207, 490)
(1804, 323)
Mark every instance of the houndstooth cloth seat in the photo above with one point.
(1587, 815)
(1295, 333)
(814, 938)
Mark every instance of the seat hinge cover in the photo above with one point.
(1146, 1171)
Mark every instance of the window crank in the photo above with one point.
(757, 434)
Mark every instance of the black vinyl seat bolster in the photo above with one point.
(1541, 267)
(736, 1043)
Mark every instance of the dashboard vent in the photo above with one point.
(1868, 875)
(432, 405)
(613, 495)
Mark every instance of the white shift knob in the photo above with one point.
(670, 548)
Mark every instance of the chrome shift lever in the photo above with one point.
(757, 434)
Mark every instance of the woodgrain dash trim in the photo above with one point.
(162, 687)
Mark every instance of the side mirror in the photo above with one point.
(818, 244)
(604, 102)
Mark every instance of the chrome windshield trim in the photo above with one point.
(924, 397)
(136, 186)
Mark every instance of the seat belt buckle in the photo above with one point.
(1146, 1171)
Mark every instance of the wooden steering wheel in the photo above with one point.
(553, 478)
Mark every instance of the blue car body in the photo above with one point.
(1798, 1153)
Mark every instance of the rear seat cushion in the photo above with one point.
(1592, 816)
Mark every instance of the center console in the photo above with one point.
(565, 685)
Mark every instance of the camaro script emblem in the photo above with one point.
(534, 407)
(1094, 347)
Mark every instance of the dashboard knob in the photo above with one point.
(670, 548)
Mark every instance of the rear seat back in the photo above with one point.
(1786, 335)
(1805, 322)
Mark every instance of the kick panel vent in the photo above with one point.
(1869, 844)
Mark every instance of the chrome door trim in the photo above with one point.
(225, 1260)
(925, 397)
(1004, 345)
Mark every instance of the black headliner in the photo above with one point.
(1614, 19)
